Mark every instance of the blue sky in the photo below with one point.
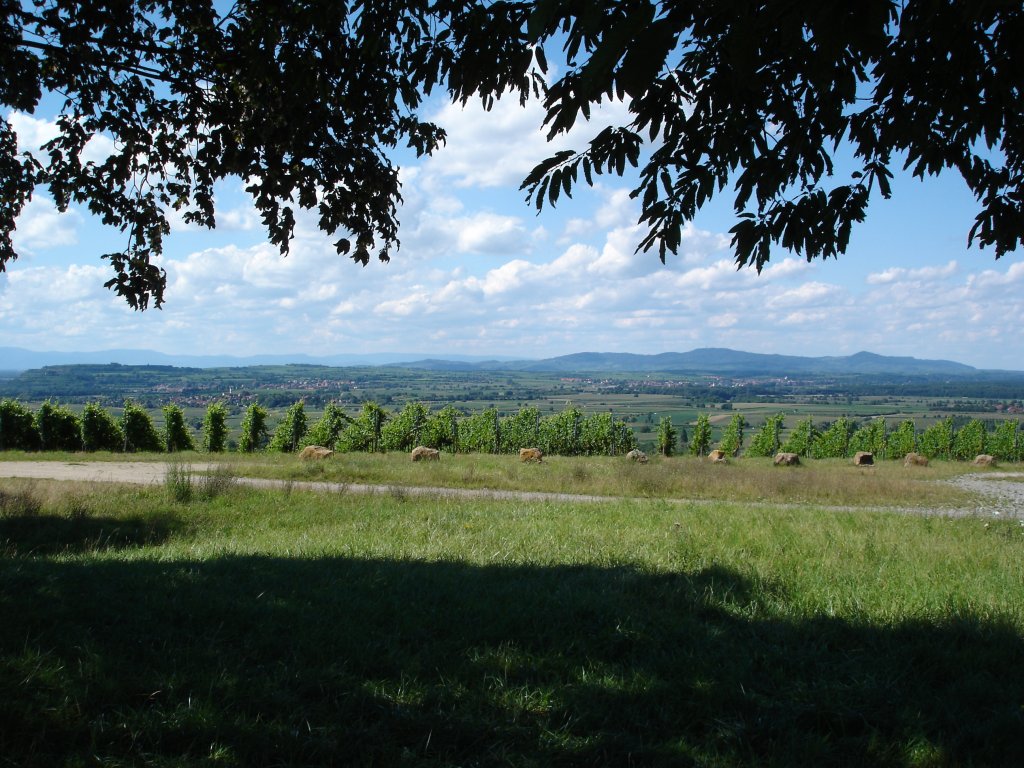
(479, 273)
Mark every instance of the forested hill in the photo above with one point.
(713, 361)
(727, 362)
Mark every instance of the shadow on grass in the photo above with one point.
(76, 533)
(274, 661)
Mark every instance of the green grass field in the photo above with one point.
(249, 627)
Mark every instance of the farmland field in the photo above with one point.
(209, 623)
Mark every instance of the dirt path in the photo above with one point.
(134, 472)
(1001, 493)
(154, 473)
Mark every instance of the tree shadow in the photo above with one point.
(48, 534)
(338, 661)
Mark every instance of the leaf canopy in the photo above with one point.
(307, 101)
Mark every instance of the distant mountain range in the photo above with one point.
(18, 359)
(713, 361)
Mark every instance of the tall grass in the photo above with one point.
(184, 484)
(832, 481)
(258, 628)
(828, 481)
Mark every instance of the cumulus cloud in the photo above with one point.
(246, 300)
(642, 320)
(416, 303)
(41, 226)
(242, 218)
(469, 156)
(617, 209)
(992, 278)
(715, 276)
(490, 233)
(617, 258)
(500, 147)
(29, 290)
(238, 216)
(902, 274)
(788, 267)
(941, 311)
(807, 294)
(437, 224)
(33, 132)
(724, 320)
(806, 318)
(59, 307)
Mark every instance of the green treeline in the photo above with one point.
(569, 433)
(843, 438)
(55, 427)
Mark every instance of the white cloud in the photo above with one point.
(618, 259)
(720, 274)
(992, 278)
(807, 294)
(37, 287)
(417, 303)
(725, 320)
(59, 308)
(246, 300)
(33, 132)
(697, 245)
(243, 218)
(642, 320)
(806, 318)
(788, 267)
(238, 218)
(509, 277)
(902, 274)
(576, 258)
(490, 233)
(617, 211)
(41, 226)
(468, 155)
(500, 147)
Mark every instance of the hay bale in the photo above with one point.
(422, 453)
(531, 454)
(915, 460)
(786, 460)
(863, 459)
(315, 452)
(717, 456)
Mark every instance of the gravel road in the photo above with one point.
(1001, 493)
(154, 473)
